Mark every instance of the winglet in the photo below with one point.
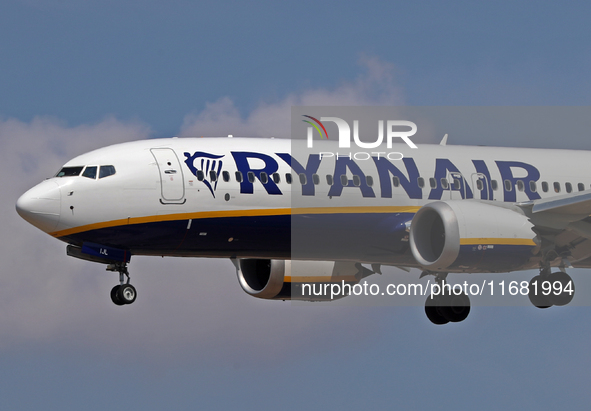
(443, 140)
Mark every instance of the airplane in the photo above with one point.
(268, 207)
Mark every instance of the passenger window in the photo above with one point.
(200, 175)
(508, 185)
(315, 179)
(581, 187)
(213, 176)
(250, 176)
(356, 181)
(432, 182)
(329, 180)
(344, 180)
(421, 182)
(239, 176)
(288, 178)
(276, 178)
(494, 185)
(395, 181)
(226, 176)
(90, 172)
(69, 172)
(444, 184)
(106, 171)
(520, 185)
(568, 187)
(369, 180)
(303, 179)
(544, 186)
(532, 186)
(264, 177)
(557, 187)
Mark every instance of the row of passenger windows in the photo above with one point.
(519, 186)
(264, 177)
(89, 171)
(444, 183)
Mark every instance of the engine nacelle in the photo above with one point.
(296, 280)
(470, 235)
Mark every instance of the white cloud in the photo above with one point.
(40, 147)
(376, 86)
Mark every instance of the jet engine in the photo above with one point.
(464, 235)
(297, 280)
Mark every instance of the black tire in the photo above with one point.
(563, 298)
(433, 311)
(456, 307)
(126, 293)
(115, 297)
(538, 300)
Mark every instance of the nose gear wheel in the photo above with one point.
(124, 293)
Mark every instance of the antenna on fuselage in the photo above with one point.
(443, 140)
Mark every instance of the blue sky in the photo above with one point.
(76, 75)
(156, 61)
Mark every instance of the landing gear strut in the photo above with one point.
(446, 306)
(124, 293)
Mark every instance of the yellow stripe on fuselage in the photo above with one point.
(497, 241)
(354, 210)
(318, 279)
(232, 213)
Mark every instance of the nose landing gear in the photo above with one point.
(124, 293)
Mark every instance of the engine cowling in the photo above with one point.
(470, 235)
(296, 280)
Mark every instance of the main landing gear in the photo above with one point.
(547, 289)
(446, 306)
(124, 293)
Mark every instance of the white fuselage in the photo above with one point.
(228, 197)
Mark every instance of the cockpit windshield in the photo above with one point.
(89, 172)
(69, 172)
(106, 171)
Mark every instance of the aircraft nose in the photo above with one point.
(41, 205)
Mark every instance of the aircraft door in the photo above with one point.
(456, 186)
(481, 187)
(172, 183)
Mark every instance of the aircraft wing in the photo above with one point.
(573, 204)
(565, 221)
(563, 212)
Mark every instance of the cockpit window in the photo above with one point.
(106, 171)
(69, 172)
(90, 172)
